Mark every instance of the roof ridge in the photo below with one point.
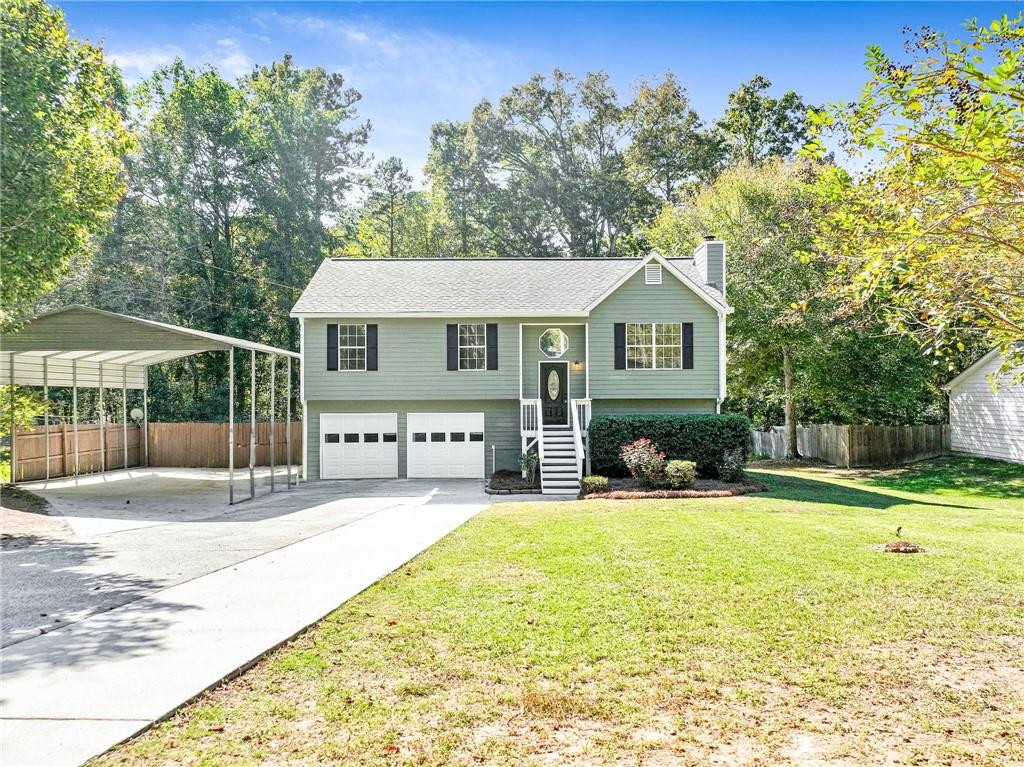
(482, 259)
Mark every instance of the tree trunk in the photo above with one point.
(792, 450)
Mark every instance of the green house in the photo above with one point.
(455, 367)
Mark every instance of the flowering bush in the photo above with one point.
(731, 469)
(643, 459)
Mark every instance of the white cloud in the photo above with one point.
(138, 65)
(422, 60)
(226, 54)
(230, 59)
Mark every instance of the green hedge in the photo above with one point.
(703, 439)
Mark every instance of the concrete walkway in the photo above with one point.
(74, 692)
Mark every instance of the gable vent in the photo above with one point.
(652, 274)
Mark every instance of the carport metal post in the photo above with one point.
(103, 441)
(231, 426)
(14, 428)
(273, 423)
(46, 413)
(145, 415)
(252, 423)
(124, 412)
(288, 424)
(74, 410)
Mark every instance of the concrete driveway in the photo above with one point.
(148, 589)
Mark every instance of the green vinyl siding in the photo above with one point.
(651, 406)
(411, 364)
(532, 356)
(501, 426)
(671, 301)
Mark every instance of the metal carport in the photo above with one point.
(78, 346)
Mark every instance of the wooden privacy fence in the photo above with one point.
(853, 446)
(31, 450)
(206, 444)
(170, 444)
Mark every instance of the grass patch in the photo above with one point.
(755, 629)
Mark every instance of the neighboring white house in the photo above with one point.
(986, 422)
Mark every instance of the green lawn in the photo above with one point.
(765, 629)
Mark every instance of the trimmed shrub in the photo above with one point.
(593, 484)
(703, 439)
(644, 460)
(680, 474)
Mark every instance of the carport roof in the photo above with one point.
(108, 347)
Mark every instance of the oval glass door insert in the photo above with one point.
(553, 385)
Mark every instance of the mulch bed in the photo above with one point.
(902, 547)
(627, 489)
(506, 482)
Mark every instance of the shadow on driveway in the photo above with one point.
(74, 570)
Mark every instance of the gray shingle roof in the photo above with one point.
(469, 286)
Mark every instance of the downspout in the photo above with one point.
(721, 362)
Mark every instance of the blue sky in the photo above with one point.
(416, 64)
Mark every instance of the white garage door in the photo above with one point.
(358, 445)
(446, 445)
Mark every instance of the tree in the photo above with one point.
(390, 188)
(931, 232)
(757, 127)
(459, 182)
(302, 146)
(62, 141)
(669, 148)
(233, 194)
(543, 173)
(763, 215)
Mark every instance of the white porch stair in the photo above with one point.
(559, 461)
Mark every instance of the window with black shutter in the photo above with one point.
(332, 346)
(492, 346)
(371, 347)
(620, 345)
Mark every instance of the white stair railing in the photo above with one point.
(529, 416)
(581, 408)
(577, 439)
(540, 450)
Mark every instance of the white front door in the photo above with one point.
(446, 445)
(358, 445)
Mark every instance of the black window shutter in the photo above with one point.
(620, 345)
(687, 345)
(371, 347)
(453, 347)
(332, 347)
(492, 346)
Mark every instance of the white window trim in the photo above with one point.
(363, 347)
(654, 345)
(483, 346)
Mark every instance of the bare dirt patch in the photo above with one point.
(902, 547)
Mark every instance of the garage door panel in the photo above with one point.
(359, 445)
(446, 445)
